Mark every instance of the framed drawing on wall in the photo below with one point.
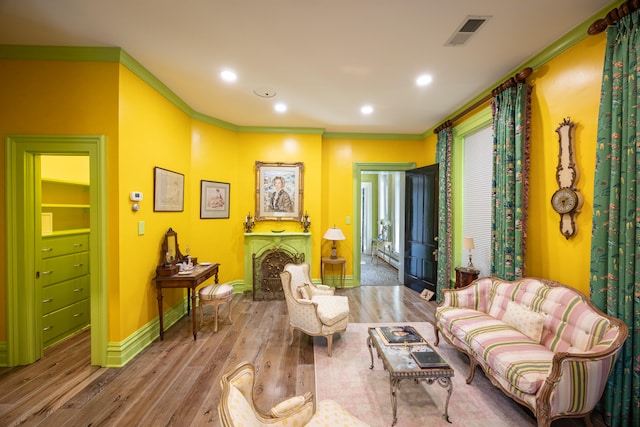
(214, 199)
(168, 191)
(279, 191)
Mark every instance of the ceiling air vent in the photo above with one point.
(468, 28)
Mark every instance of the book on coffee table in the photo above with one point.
(428, 359)
(400, 335)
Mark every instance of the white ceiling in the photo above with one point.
(323, 58)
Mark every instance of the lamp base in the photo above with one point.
(334, 252)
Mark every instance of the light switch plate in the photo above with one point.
(140, 228)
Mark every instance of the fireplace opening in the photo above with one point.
(266, 273)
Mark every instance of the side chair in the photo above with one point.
(313, 310)
(237, 406)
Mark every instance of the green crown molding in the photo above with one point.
(376, 136)
(213, 121)
(60, 53)
(267, 129)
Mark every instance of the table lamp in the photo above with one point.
(334, 234)
(468, 244)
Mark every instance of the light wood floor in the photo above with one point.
(176, 381)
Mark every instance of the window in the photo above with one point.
(477, 198)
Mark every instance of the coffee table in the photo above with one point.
(397, 360)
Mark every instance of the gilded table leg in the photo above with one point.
(394, 399)
(448, 384)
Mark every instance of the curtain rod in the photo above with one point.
(519, 77)
(613, 16)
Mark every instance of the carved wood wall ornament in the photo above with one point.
(567, 200)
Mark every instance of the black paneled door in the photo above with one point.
(421, 228)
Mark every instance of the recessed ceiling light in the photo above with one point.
(280, 107)
(366, 109)
(424, 80)
(228, 76)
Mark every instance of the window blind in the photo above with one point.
(477, 199)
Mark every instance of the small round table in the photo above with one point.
(334, 261)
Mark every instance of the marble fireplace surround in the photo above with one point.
(259, 243)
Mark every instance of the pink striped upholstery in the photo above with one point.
(563, 374)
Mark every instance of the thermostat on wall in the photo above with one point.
(135, 196)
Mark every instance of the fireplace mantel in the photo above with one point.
(258, 243)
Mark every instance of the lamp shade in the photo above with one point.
(334, 234)
(468, 243)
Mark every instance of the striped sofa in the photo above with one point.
(543, 344)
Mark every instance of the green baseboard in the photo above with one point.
(4, 357)
(120, 353)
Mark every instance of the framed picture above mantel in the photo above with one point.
(279, 191)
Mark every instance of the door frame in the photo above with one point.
(366, 195)
(24, 342)
(358, 168)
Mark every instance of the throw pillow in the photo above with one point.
(526, 321)
(302, 291)
(283, 408)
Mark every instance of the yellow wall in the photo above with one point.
(337, 199)
(53, 97)
(65, 168)
(567, 86)
(145, 130)
(153, 133)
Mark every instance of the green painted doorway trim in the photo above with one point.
(358, 168)
(24, 342)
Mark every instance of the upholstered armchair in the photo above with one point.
(237, 407)
(313, 310)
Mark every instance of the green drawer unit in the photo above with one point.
(61, 323)
(59, 295)
(63, 245)
(61, 268)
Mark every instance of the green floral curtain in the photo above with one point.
(615, 253)
(511, 117)
(443, 157)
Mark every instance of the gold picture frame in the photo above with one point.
(279, 191)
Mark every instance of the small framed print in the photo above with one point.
(214, 199)
(279, 191)
(168, 191)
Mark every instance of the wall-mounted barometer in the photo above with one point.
(567, 200)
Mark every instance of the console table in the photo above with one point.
(189, 280)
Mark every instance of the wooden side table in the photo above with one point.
(334, 261)
(465, 275)
(189, 280)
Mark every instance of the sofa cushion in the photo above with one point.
(526, 321)
(331, 308)
(217, 291)
(501, 347)
(303, 292)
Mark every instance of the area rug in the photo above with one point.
(346, 378)
(377, 273)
